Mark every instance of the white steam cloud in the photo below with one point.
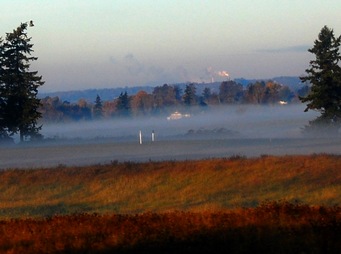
(223, 74)
(213, 74)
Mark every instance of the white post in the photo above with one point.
(153, 136)
(140, 135)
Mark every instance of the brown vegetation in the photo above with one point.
(270, 228)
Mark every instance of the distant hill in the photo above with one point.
(294, 83)
(106, 94)
(89, 95)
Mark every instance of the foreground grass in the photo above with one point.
(270, 228)
(206, 185)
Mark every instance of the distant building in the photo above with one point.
(177, 115)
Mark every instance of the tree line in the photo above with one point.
(166, 98)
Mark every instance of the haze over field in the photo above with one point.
(220, 132)
(245, 121)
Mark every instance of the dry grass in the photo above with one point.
(270, 228)
(205, 185)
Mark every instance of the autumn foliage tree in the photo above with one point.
(142, 103)
(272, 92)
(255, 92)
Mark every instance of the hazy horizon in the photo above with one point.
(109, 44)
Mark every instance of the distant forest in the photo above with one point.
(147, 101)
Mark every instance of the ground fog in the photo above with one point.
(227, 131)
(238, 121)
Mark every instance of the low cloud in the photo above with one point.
(133, 65)
(297, 48)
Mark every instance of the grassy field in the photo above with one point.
(205, 185)
(287, 204)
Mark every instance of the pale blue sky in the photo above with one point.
(93, 44)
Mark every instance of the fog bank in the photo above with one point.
(248, 121)
(220, 132)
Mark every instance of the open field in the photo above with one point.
(84, 153)
(203, 185)
(205, 206)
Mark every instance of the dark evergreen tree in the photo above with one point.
(177, 92)
(123, 105)
(3, 132)
(204, 98)
(98, 108)
(19, 86)
(189, 96)
(324, 77)
(206, 94)
(303, 91)
(230, 92)
(165, 96)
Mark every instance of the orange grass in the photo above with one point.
(206, 185)
(270, 228)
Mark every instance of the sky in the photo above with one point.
(82, 44)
